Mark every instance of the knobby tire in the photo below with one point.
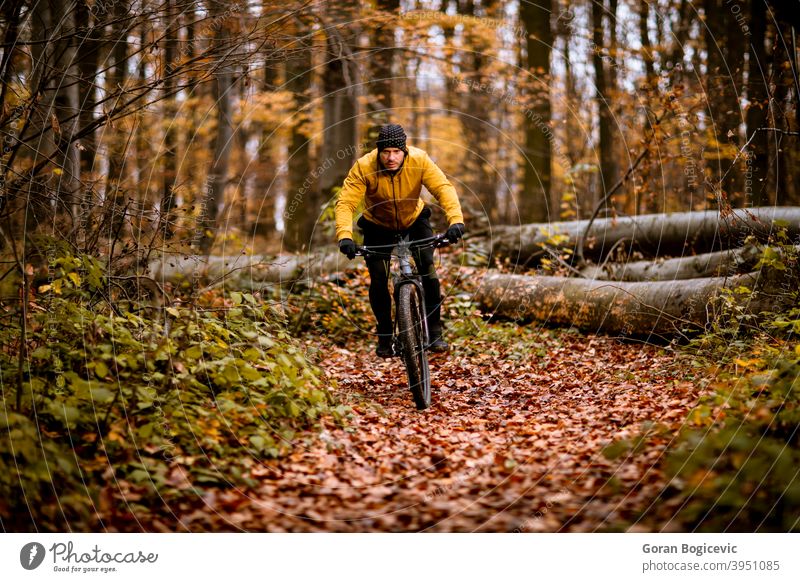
(410, 319)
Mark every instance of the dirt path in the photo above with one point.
(513, 441)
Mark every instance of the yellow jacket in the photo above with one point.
(393, 201)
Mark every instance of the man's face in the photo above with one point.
(391, 158)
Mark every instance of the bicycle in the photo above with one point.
(410, 334)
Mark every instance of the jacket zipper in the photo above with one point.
(396, 217)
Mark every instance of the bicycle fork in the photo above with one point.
(423, 308)
(407, 277)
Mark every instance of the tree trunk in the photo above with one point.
(608, 166)
(217, 178)
(675, 234)
(725, 50)
(264, 168)
(662, 309)
(167, 154)
(249, 272)
(647, 47)
(339, 108)
(534, 199)
(782, 177)
(88, 57)
(721, 263)
(380, 87)
(11, 14)
(757, 72)
(118, 139)
(51, 82)
(474, 114)
(299, 197)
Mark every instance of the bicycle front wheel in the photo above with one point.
(411, 324)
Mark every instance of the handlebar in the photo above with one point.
(437, 241)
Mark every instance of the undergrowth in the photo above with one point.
(735, 464)
(111, 405)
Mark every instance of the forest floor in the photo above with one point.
(520, 437)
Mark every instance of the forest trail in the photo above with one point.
(512, 442)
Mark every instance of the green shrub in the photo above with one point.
(125, 393)
(741, 472)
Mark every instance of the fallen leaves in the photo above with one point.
(509, 444)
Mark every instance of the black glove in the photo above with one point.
(347, 247)
(455, 232)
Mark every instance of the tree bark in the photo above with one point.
(758, 154)
(662, 309)
(299, 196)
(675, 234)
(217, 179)
(241, 272)
(475, 117)
(608, 165)
(721, 263)
(115, 85)
(56, 100)
(88, 57)
(339, 108)
(380, 87)
(533, 203)
(725, 61)
(647, 47)
(169, 176)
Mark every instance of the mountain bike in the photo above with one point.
(410, 335)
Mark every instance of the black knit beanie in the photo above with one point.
(391, 136)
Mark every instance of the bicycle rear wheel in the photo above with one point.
(411, 322)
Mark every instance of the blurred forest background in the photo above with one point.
(232, 124)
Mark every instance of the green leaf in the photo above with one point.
(100, 369)
(266, 341)
(231, 374)
(41, 353)
(616, 449)
(249, 373)
(101, 395)
(262, 443)
(292, 409)
(146, 430)
(193, 352)
(67, 414)
(139, 476)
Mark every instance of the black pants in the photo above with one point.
(379, 297)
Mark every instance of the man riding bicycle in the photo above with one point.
(389, 179)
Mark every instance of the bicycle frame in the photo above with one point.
(411, 338)
(407, 275)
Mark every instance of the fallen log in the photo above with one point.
(718, 264)
(641, 309)
(247, 272)
(676, 234)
